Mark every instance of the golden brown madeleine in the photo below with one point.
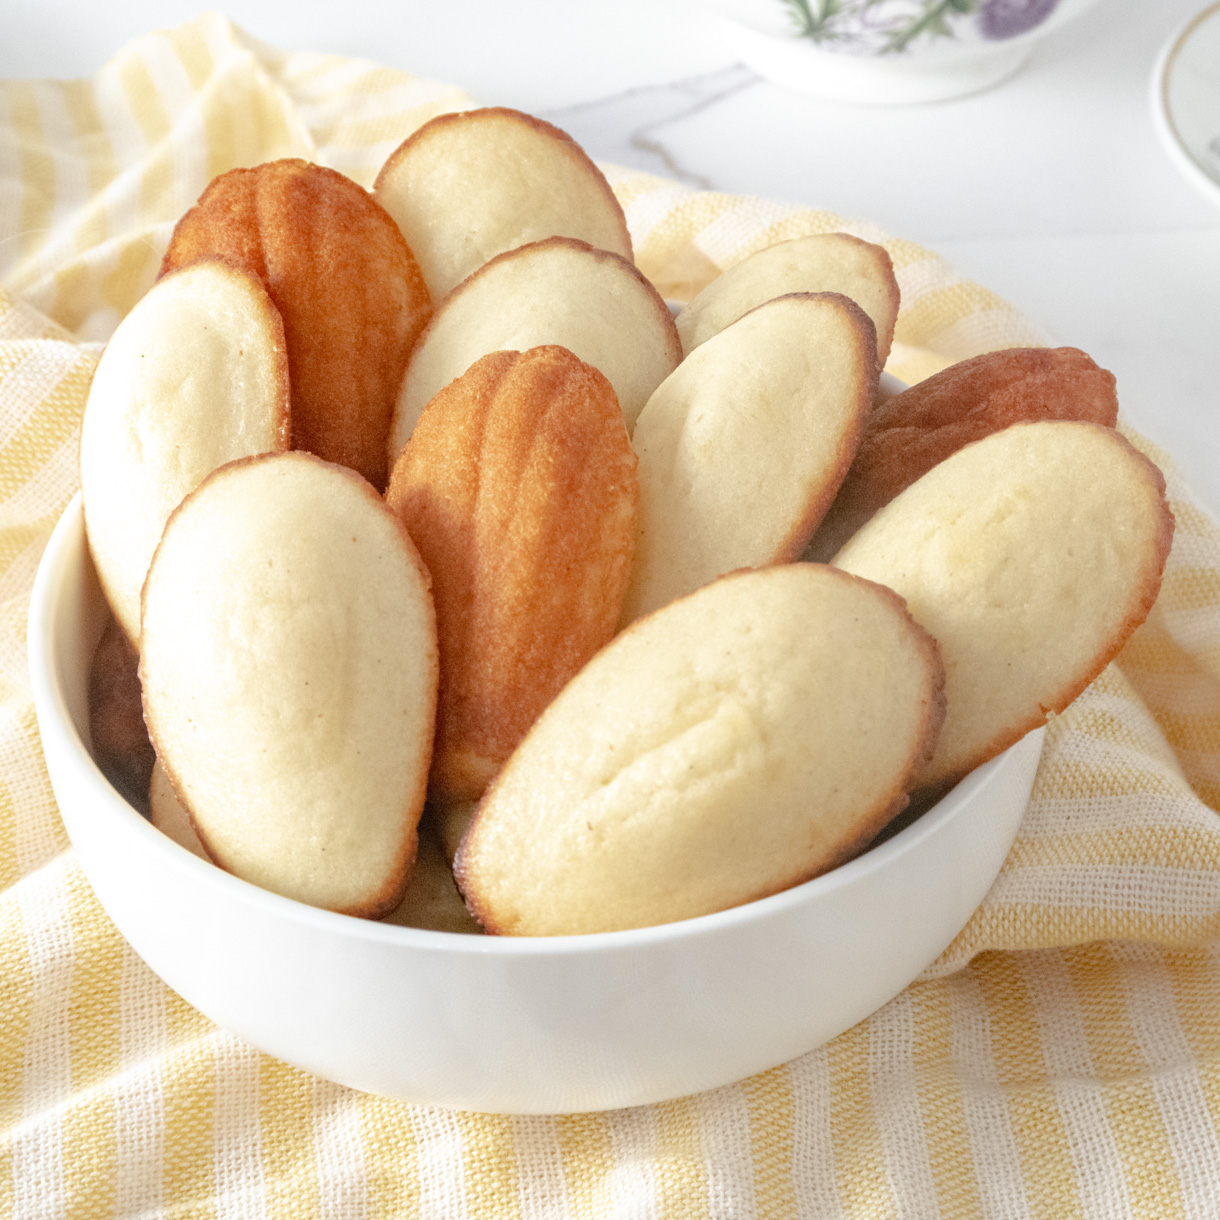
(345, 282)
(121, 747)
(1031, 555)
(519, 488)
(740, 740)
(289, 665)
(911, 432)
(822, 262)
(465, 187)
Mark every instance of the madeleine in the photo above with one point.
(289, 669)
(468, 186)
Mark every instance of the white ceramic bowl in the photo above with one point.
(888, 51)
(501, 1024)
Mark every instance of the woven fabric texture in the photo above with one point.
(1061, 1059)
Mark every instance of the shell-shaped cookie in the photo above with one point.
(193, 377)
(1030, 556)
(467, 186)
(345, 282)
(519, 488)
(744, 444)
(741, 740)
(823, 262)
(905, 436)
(289, 670)
(558, 291)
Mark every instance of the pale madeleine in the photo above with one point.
(823, 262)
(467, 186)
(1031, 556)
(743, 446)
(193, 377)
(289, 666)
(559, 291)
(745, 738)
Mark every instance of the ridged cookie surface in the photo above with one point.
(1031, 556)
(823, 262)
(744, 444)
(289, 673)
(558, 291)
(343, 279)
(735, 743)
(193, 377)
(465, 187)
(519, 488)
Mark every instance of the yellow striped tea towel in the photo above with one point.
(1061, 1059)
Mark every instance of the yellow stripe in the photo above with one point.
(49, 428)
(859, 1155)
(391, 1157)
(188, 1082)
(37, 168)
(770, 1104)
(1050, 1183)
(588, 1157)
(1195, 848)
(941, 1106)
(681, 1173)
(94, 148)
(1135, 1117)
(491, 1166)
(94, 1017)
(16, 992)
(88, 1133)
(285, 1108)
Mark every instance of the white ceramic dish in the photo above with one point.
(1186, 101)
(500, 1024)
(888, 51)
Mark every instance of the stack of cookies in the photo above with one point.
(470, 588)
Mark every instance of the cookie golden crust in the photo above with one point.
(519, 487)
(735, 743)
(558, 292)
(465, 187)
(345, 282)
(289, 674)
(1031, 556)
(911, 432)
(121, 747)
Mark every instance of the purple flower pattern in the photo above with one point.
(881, 27)
(1007, 18)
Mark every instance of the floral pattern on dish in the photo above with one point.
(887, 27)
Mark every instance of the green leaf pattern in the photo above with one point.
(883, 27)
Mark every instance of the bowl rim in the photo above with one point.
(48, 684)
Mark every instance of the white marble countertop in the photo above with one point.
(1050, 189)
